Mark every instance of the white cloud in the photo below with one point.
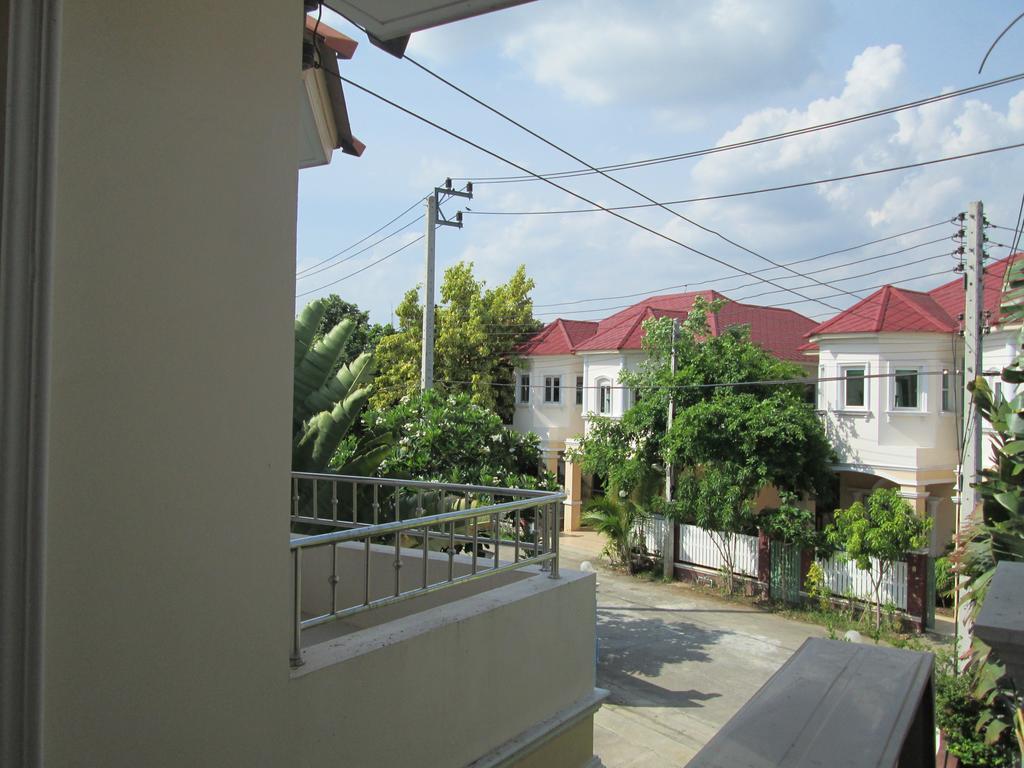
(601, 52)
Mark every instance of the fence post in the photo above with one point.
(764, 558)
(917, 588)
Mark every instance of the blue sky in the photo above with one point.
(615, 81)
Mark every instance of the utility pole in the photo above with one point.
(433, 220)
(669, 544)
(427, 353)
(970, 458)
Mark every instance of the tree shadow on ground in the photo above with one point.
(634, 650)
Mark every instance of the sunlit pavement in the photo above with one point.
(678, 664)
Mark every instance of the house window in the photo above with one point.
(524, 388)
(853, 387)
(906, 388)
(604, 392)
(579, 390)
(552, 389)
(947, 393)
(820, 389)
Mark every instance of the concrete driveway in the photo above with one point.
(678, 664)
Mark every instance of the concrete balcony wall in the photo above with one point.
(458, 684)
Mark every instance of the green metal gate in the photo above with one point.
(784, 576)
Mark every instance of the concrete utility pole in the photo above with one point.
(669, 544)
(434, 219)
(974, 269)
(970, 457)
(427, 353)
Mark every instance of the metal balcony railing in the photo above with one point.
(408, 520)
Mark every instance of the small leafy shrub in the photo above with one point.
(817, 590)
(957, 712)
(618, 520)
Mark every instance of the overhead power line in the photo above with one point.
(361, 269)
(359, 242)
(362, 250)
(754, 296)
(715, 280)
(717, 385)
(582, 198)
(619, 182)
(760, 191)
(760, 140)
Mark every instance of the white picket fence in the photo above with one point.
(700, 547)
(652, 533)
(844, 578)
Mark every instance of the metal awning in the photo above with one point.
(390, 22)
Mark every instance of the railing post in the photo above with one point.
(296, 659)
(376, 504)
(451, 550)
(334, 578)
(426, 555)
(295, 497)
(554, 540)
(517, 523)
(542, 516)
(398, 563)
(334, 500)
(496, 533)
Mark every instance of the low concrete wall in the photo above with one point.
(460, 681)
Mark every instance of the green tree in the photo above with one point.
(328, 396)
(884, 529)
(449, 438)
(716, 498)
(477, 330)
(365, 336)
(770, 430)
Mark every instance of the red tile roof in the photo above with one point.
(780, 331)
(892, 310)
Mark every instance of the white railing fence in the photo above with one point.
(651, 531)
(845, 579)
(700, 547)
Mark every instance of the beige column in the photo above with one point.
(551, 462)
(917, 497)
(573, 494)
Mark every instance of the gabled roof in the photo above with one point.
(893, 310)
(558, 338)
(779, 331)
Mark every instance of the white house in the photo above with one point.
(892, 400)
(572, 368)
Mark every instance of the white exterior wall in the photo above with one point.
(553, 423)
(556, 423)
(879, 437)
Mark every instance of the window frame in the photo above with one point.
(523, 389)
(553, 390)
(899, 373)
(947, 392)
(604, 387)
(844, 380)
